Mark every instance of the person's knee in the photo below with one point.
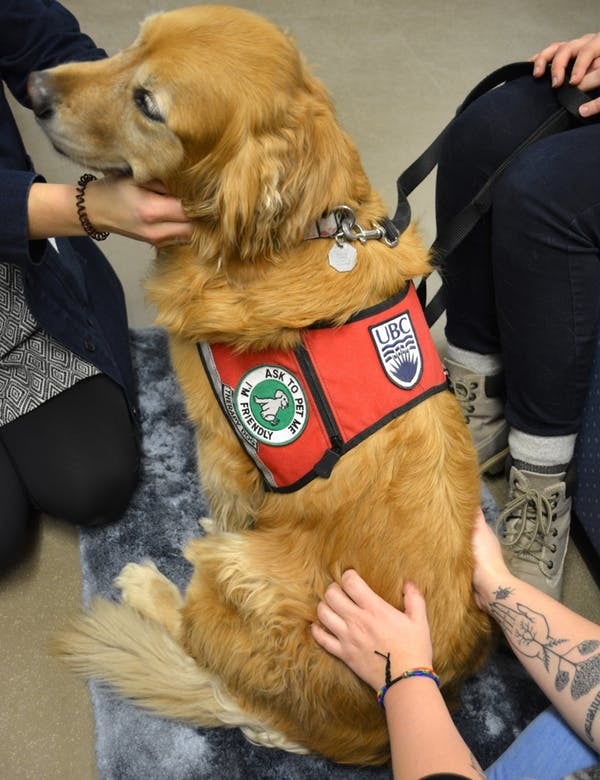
(17, 516)
(77, 454)
(100, 493)
(491, 127)
(528, 194)
(485, 134)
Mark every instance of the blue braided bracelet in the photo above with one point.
(419, 672)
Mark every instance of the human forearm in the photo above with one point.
(52, 211)
(559, 648)
(112, 204)
(423, 737)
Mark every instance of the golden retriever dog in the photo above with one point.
(218, 104)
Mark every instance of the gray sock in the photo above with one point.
(545, 451)
(474, 361)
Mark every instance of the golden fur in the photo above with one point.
(247, 137)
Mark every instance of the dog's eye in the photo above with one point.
(147, 105)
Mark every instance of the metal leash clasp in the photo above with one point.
(351, 230)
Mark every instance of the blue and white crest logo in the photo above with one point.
(399, 351)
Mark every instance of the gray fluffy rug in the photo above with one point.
(162, 516)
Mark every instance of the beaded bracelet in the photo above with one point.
(97, 235)
(421, 671)
(424, 672)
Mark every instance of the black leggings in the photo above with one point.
(75, 457)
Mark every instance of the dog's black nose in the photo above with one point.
(40, 94)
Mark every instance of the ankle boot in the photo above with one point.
(534, 526)
(482, 402)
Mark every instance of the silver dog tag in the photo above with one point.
(342, 257)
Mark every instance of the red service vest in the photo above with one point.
(295, 413)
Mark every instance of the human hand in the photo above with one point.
(585, 74)
(357, 625)
(142, 212)
(490, 572)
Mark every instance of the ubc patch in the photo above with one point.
(398, 349)
(271, 405)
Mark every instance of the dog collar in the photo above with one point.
(341, 224)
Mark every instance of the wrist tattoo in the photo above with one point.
(501, 594)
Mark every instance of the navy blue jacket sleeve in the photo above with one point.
(74, 294)
(34, 34)
(37, 34)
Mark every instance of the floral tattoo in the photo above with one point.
(576, 667)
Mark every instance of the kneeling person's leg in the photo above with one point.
(16, 519)
(77, 453)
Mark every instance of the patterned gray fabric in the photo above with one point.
(34, 367)
(496, 704)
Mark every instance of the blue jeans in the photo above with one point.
(525, 283)
(546, 750)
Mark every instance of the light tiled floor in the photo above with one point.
(397, 69)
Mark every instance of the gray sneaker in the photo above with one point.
(482, 402)
(533, 527)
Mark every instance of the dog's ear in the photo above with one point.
(249, 198)
(264, 187)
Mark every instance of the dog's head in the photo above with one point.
(216, 103)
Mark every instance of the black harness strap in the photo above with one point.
(451, 234)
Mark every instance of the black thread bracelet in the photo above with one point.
(97, 235)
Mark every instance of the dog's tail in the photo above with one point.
(139, 658)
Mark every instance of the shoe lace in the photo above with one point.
(466, 394)
(525, 523)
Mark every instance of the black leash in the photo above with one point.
(451, 234)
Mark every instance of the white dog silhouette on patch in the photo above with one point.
(270, 407)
